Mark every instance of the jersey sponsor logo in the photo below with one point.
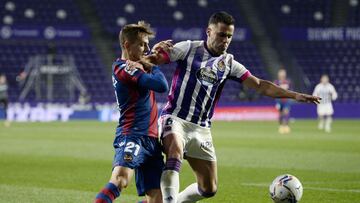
(207, 76)
(206, 146)
(128, 157)
(221, 65)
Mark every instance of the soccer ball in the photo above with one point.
(286, 189)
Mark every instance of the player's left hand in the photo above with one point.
(307, 98)
(165, 46)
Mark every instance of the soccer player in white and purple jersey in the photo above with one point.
(325, 109)
(202, 70)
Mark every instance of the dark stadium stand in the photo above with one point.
(39, 12)
(170, 13)
(304, 13)
(92, 72)
(339, 59)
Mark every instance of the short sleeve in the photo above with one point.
(180, 50)
(238, 72)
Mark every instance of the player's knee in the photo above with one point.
(175, 152)
(120, 181)
(175, 155)
(153, 196)
(173, 147)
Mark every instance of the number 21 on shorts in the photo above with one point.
(133, 148)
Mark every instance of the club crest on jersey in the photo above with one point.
(207, 76)
(130, 71)
(221, 65)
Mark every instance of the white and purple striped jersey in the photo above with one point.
(327, 93)
(198, 81)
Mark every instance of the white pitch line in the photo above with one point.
(307, 188)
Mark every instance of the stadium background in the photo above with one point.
(306, 37)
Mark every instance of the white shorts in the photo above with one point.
(325, 109)
(197, 140)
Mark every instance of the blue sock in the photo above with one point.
(107, 194)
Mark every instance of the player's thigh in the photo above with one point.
(154, 196)
(172, 136)
(173, 146)
(121, 176)
(206, 173)
(148, 174)
(199, 144)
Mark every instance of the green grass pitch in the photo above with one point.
(71, 162)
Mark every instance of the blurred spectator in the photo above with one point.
(325, 110)
(4, 97)
(283, 104)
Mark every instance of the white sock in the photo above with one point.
(169, 185)
(328, 122)
(190, 194)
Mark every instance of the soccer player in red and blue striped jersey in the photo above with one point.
(136, 143)
(283, 105)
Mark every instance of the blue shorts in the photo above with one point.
(142, 153)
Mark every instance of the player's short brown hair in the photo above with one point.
(131, 32)
(221, 17)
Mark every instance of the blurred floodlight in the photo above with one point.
(202, 3)
(354, 3)
(10, 6)
(178, 15)
(318, 15)
(61, 14)
(129, 8)
(29, 13)
(8, 20)
(121, 21)
(172, 3)
(285, 9)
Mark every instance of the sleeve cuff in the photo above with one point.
(245, 75)
(165, 55)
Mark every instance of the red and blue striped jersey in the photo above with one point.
(134, 91)
(285, 84)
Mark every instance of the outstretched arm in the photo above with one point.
(154, 81)
(268, 88)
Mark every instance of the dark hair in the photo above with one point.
(131, 32)
(221, 17)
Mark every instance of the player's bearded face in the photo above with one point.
(139, 48)
(219, 37)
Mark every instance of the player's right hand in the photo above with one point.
(132, 65)
(307, 98)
